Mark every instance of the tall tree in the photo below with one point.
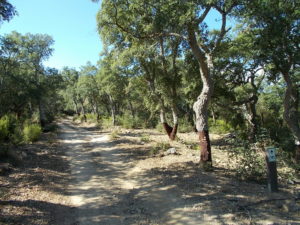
(112, 82)
(276, 26)
(121, 21)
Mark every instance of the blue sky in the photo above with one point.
(71, 23)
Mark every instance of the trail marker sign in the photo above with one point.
(272, 168)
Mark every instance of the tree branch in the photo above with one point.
(203, 16)
(148, 36)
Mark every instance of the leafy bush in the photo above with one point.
(17, 135)
(160, 146)
(31, 132)
(220, 126)
(184, 126)
(159, 127)
(4, 128)
(145, 138)
(75, 117)
(8, 123)
(105, 122)
(91, 117)
(250, 157)
(128, 122)
(114, 134)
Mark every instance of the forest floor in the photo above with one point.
(84, 175)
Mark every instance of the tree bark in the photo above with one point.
(76, 107)
(113, 110)
(201, 105)
(253, 120)
(175, 124)
(83, 111)
(42, 114)
(291, 101)
(131, 109)
(171, 131)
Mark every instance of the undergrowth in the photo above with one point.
(159, 147)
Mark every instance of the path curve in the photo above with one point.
(108, 187)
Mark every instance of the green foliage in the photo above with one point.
(159, 127)
(250, 162)
(31, 132)
(159, 147)
(105, 122)
(220, 126)
(145, 138)
(184, 126)
(7, 11)
(128, 122)
(191, 144)
(91, 118)
(8, 125)
(4, 128)
(114, 134)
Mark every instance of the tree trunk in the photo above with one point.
(97, 113)
(175, 124)
(113, 110)
(42, 115)
(171, 131)
(201, 110)
(131, 109)
(83, 111)
(253, 120)
(291, 101)
(201, 105)
(76, 107)
(113, 116)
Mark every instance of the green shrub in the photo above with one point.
(114, 134)
(220, 126)
(250, 161)
(31, 132)
(129, 122)
(4, 128)
(106, 122)
(159, 127)
(184, 126)
(145, 138)
(191, 145)
(158, 147)
(8, 123)
(17, 136)
(91, 117)
(126, 122)
(75, 117)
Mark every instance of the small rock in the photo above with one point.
(24, 154)
(291, 182)
(171, 151)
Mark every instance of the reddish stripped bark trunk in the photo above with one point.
(205, 155)
(171, 131)
(201, 105)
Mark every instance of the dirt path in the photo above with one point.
(108, 187)
(82, 177)
(118, 182)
